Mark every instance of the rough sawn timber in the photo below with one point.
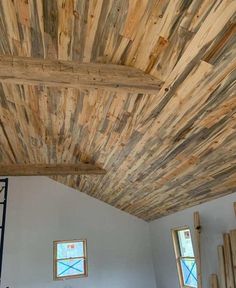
(68, 74)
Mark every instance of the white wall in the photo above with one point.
(119, 249)
(41, 211)
(217, 217)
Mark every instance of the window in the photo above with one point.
(70, 259)
(186, 262)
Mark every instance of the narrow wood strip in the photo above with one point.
(197, 227)
(233, 250)
(228, 262)
(49, 169)
(229, 33)
(221, 260)
(214, 281)
(26, 70)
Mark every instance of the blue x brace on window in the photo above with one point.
(70, 259)
(185, 258)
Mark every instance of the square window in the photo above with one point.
(70, 259)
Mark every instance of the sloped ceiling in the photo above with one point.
(162, 152)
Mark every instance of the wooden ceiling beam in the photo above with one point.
(50, 169)
(35, 71)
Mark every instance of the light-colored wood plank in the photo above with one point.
(214, 281)
(197, 234)
(49, 169)
(233, 250)
(228, 262)
(23, 70)
(221, 261)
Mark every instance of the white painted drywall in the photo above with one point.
(41, 211)
(217, 216)
(119, 249)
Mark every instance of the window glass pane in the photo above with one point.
(185, 243)
(189, 271)
(70, 267)
(70, 250)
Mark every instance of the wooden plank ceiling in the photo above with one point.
(164, 151)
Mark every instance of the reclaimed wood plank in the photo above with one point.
(163, 151)
(74, 75)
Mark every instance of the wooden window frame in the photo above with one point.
(55, 260)
(178, 257)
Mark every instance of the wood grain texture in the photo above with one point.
(214, 281)
(233, 251)
(229, 270)
(50, 169)
(197, 237)
(221, 260)
(163, 151)
(68, 74)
